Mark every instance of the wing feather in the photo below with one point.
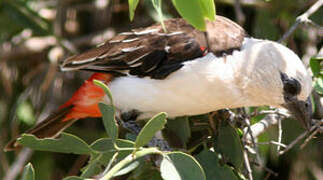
(149, 51)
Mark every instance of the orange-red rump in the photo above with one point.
(85, 100)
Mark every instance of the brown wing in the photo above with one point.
(224, 35)
(146, 51)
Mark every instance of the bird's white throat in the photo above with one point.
(205, 84)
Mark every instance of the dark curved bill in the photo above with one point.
(301, 110)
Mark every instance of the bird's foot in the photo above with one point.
(128, 121)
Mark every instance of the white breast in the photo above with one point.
(201, 86)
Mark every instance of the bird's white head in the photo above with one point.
(272, 74)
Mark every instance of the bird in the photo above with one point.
(183, 71)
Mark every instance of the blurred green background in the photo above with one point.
(36, 34)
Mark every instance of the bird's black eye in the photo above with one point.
(291, 86)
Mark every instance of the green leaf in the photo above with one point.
(109, 121)
(66, 143)
(213, 170)
(315, 65)
(103, 145)
(182, 134)
(263, 28)
(108, 112)
(130, 158)
(149, 130)
(24, 16)
(239, 132)
(25, 113)
(132, 7)
(200, 8)
(208, 9)
(146, 171)
(130, 136)
(28, 173)
(127, 169)
(318, 85)
(106, 144)
(185, 9)
(43, 160)
(93, 166)
(158, 8)
(106, 150)
(180, 166)
(105, 88)
(228, 143)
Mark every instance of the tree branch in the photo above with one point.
(261, 126)
(19, 164)
(247, 164)
(300, 137)
(239, 13)
(303, 19)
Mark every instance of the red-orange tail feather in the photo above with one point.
(83, 103)
(85, 100)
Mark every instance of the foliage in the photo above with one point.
(120, 156)
(28, 173)
(201, 151)
(316, 64)
(202, 9)
(227, 142)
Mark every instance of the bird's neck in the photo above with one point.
(253, 73)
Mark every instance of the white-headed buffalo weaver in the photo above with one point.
(182, 72)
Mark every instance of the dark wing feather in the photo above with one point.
(148, 51)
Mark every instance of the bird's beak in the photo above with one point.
(301, 110)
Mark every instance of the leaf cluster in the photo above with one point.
(193, 11)
(112, 157)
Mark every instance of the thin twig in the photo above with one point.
(267, 176)
(247, 164)
(112, 160)
(280, 133)
(247, 120)
(316, 27)
(4, 165)
(78, 164)
(281, 112)
(19, 164)
(274, 143)
(261, 126)
(293, 143)
(239, 13)
(302, 19)
(309, 138)
(250, 149)
(265, 168)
